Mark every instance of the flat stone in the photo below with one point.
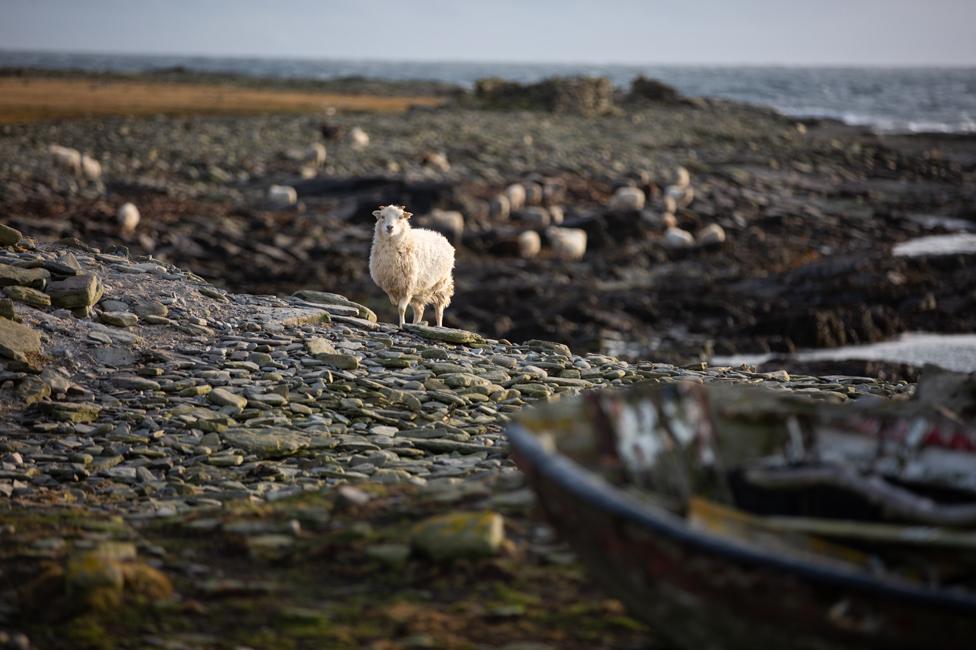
(224, 397)
(154, 309)
(326, 298)
(76, 292)
(134, 382)
(7, 309)
(118, 318)
(341, 361)
(318, 345)
(71, 411)
(9, 236)
(17, 340)
(269, 442)
(447, 334)
(14, 275)
(33, 389)
(28, 296)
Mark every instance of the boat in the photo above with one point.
(741, 517)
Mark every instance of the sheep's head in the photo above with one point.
(391, 220)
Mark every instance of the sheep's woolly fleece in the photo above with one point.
(412, 265)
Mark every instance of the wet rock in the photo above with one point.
(459, 535)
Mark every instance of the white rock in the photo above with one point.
(567, 243)
(711, 235)
(677, 238)
(128, 218)
(66, 158)
(282, 196)
(627, 199)
(358, 138)
(91, 168)
(529, 243)
(516, 196)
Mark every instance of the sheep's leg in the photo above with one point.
(439, 313)
(418, 312)
(402, 310)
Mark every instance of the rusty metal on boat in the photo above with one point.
(739, 517)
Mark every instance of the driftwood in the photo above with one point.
(894, 500)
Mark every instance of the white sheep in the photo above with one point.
(557, 214)
(627, 199)
(66, 157)
(534, 216)
(529, 243)
(567, 243)
(516, 196)
(358, 138)
(413, 266)
(448, 222)
(128, 218)
(91, 168)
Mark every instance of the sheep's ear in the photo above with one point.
(407, 215)
(377, 213)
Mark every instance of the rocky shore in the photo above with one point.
(186, 467)
(809, 213)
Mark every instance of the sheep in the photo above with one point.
(711, 235)
(413, 266)
(91, 168)
(128, 218)
(567, 243)
(66, 157)
(282, 196)
(627, 199)
(516, 196)
(358, 139)
(529, 244)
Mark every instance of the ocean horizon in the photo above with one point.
(886, 99)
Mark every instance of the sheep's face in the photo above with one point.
(391, 220)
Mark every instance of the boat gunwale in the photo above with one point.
(592, 489)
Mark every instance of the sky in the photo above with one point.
(781, 32)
